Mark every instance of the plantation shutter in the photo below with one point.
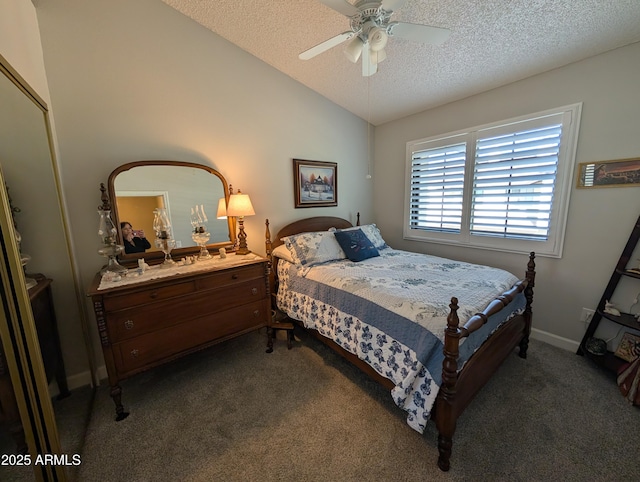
(514, 177)
(437, 183)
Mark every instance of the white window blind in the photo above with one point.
(437, 182)
(513, 182)
(502, 186)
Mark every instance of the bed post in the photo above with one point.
(528, 293)
(267, 238)
(270, 266)
(445, 418)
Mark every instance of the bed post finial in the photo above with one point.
(358, 219)
(531, 269)
(452, 320)
(267, 238)
(271, 262)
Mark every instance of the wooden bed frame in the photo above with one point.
(458, 387)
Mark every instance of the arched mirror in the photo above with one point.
(183, 189)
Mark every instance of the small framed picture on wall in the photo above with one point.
(619, 173)
(315, 183)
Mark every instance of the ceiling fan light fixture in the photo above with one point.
(377, 39)
(354, 49)
(371, 27)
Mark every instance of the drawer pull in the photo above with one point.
(134, 353)
(254, 291)
(154, 294)
(256, 314)
(128, 324)
(234, 276)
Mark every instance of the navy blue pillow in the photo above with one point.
(356, 245)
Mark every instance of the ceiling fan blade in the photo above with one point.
(342, 6)
(326, 45)
(369, 67)
(378, 56)
(392, 5)
(419, 33)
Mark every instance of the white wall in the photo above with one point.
(20, 43)
(138, 80)
(600, 220)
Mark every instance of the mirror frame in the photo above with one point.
(154, 257)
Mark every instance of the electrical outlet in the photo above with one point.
(586, 315)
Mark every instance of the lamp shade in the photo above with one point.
(222, 209)
(354, 49)
(240, 205)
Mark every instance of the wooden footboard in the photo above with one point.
(458, 386)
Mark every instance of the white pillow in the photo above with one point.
(309, 249)
(282, 252)
(372, 232)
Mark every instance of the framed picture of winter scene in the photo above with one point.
(315, 183)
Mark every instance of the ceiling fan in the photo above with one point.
(371, 27)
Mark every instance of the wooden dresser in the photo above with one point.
(148, 323)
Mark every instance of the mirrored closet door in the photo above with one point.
(42, 314)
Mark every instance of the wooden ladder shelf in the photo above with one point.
(621, 271)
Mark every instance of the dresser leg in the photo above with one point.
(269, 339)
(116, 394)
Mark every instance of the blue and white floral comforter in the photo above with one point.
(391, 311)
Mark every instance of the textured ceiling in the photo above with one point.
(492, 43)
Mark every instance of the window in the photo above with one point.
(502, 186)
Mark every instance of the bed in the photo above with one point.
(432, 330)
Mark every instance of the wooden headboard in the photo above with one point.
(317, 223)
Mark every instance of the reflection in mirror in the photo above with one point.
(56, 317)
(183, 190)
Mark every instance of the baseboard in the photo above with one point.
(73, 382)
(555, 340)
(77, 381)
(102, 373)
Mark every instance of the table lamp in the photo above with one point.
(239, 207)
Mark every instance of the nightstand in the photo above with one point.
(279, 321)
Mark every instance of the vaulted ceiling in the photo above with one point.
(492, 43)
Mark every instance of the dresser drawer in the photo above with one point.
(229, 277)
(134, 298)
(138, 352)
(133, 322)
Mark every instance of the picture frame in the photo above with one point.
(629, 347)
(617, 173)
(315, 183)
